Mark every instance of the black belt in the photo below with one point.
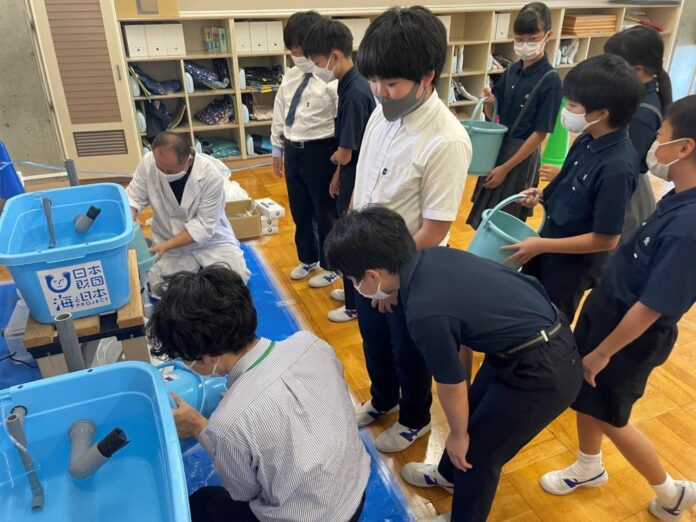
(306, 143)
(544, 336)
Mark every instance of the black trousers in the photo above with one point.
(396, 368)
(510, 401)
(214, 504)
(308, 173)
(345, 193)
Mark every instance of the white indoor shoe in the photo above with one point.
(323, 278)
(303, 270)
(686, 499)
(398, 437)
(341, 315)
(424, 475)
(365, 413)
(338, 294)
(567, 480)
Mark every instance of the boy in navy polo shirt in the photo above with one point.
(329, 44)
(586, 203)
(628, 325)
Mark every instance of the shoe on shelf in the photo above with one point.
(565, 481)
(365, 413)
(303, 270)
(398, 437)
(686, 499)
(323, 278)
(341, 315)
(338, 294)
(424, 475)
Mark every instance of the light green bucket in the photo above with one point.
(142, 249)
(486, 138)
(500, 229)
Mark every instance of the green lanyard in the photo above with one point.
(262, 357)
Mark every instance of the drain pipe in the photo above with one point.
(15, 429)
(65, 326)
(86, 458)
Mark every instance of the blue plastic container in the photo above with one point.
(142, 249)
(486, 139)
(143, 481)
(85, 274)
(498, 229)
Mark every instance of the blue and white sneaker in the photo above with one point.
(341, 315)
(365, 413)
(303, 270)
(323, 278)
(568, 480)
(686, 499)
(398, 437)
(424, 475)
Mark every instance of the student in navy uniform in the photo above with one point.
(529, 95)
(303, 141)
(643, 49)
(628, 325)
(531, 371)
(586, 203)
(329, 44)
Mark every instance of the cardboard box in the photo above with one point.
(269, 222)
(268, 230)
(269, 208)
(244, 218)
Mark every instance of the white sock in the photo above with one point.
(666, 492)
(589, 465)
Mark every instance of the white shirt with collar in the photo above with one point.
(314, 116)
(416, 166)
(284, 437)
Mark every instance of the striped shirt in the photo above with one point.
(284, 437)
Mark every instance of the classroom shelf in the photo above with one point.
(195, 56)
(173, 96)
(201, 127)
(260, 123)
(210, 92)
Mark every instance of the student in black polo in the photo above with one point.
(628, 325)
(531, 371)
(329, 44)
(586, 203)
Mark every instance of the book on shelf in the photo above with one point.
(215, 40)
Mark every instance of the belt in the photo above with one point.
(544, 336)
(305, 143)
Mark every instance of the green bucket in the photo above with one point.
(486, 138)
(142, 249)
(500, 229)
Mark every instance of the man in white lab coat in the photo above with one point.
(189, 227)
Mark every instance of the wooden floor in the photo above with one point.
(667, 412)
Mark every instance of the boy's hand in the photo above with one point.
(334, 186)
(496, 177)
(457, 447)
(278, 167)
(189, 423)
(385, 305)
(548, 172)
(526, 250)
(341, 156)
(532, 197)
(487, 93)
(592, 364)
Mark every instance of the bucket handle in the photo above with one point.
(476, 114)
(505, 203)
(181, 366)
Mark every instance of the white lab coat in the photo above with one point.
(201, 213)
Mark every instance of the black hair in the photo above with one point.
(209, 312)
(177, 143)
(406, 42)
(375, 237)
(297, 27)
(327, 35)
(605, 82)
(681, 115)
(642, 45)
(533, 18)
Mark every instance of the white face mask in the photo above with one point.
(529, 50)
(213, 373)
(324, 73)
(303, 63)
(377, 295)
(171, 178)
(661, 170)
(575, 122)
